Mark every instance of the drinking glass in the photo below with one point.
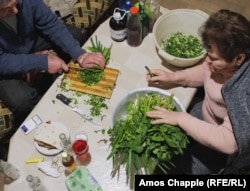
(80, 147)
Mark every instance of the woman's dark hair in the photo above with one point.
(229, 31)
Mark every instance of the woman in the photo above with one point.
(220, 125)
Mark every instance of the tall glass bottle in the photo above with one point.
(144, 19)
(134, 28)
(35, 183)
(154, 12)
(65, 143)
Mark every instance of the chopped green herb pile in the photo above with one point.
(97, 104)
(137, 144)
(92, 77)
(182, 45)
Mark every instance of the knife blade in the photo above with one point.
(76, 109)
(79, 68)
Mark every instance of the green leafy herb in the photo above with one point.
(96, 46)
(137, 144)
(66, 84)
(92, 77)
(182, 45)
(97, 104)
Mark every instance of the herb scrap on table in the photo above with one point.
(97, 104)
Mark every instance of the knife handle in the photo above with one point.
(63, 98)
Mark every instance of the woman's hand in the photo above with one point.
(91, 60)
(161, 79)
(163, 115)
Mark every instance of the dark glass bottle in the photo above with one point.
(68, 162)
(144, 19)
(117, 25)
(134, 28)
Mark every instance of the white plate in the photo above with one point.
(46, 151)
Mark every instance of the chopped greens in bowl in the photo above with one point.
(183, 45)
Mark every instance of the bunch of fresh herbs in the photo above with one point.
(139, 145)
(93, 76)
(182, 45)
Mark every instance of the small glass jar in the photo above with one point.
(66, 144)
(68, 162)
(35, 183)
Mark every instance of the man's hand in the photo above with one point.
(56, 64)
(91, 60)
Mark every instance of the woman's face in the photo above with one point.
(8, 9)
(217, 64)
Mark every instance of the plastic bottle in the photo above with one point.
(134, 28)
(117, 25)
(144, 19)
(65, 143)
(9, 170)
(68, 162)
(35, 183)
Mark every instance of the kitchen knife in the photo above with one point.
(79, 68)
(76, 109)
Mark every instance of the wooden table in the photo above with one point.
(130, 61)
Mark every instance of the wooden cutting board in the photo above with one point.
(103, 88)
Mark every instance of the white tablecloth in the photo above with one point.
(131, 62)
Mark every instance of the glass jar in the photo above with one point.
(68, 162)
(35, 183)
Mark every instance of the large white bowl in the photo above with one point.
(187, 21)
(121, 107)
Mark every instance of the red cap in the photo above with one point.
(133, 10)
